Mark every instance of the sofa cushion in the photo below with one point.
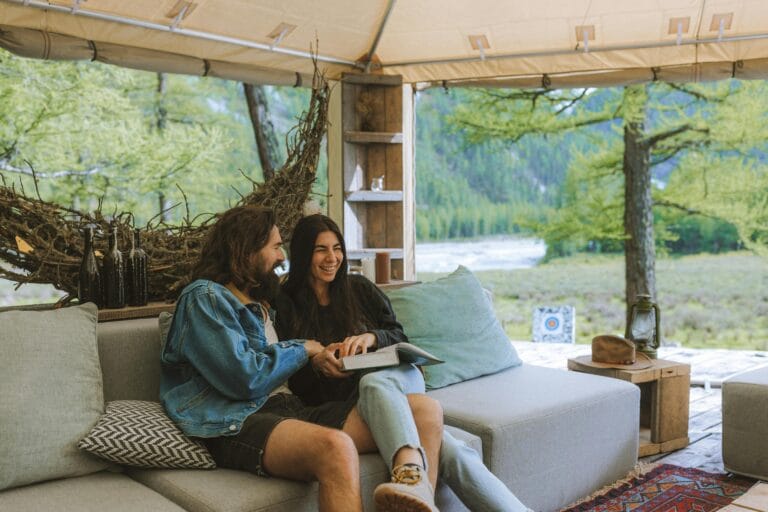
(130, 359)
(453, 319)
(50, 379)
(97, 492)
(571, 431)
(138, 433)
(226, 490)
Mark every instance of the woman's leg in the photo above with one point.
(428, 416)
(459, 466)
(462, 469)
(385, 408)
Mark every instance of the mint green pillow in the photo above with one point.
(453, 319)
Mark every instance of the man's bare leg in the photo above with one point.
(303, 451)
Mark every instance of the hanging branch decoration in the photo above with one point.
(42, 242)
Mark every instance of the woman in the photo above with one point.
(349, 314)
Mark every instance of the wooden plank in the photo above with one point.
(709, 420)
(371, 79)
(393, 109)
(371, 196)
(366, 137)
(376, 225)
(704, 454)
(394, 213)
(335, 144)
(409, 184)
(674, 444)
(393, 156)
(378, 117)
(396, 283)
(672, 416)
(394, 252)
(150, 310)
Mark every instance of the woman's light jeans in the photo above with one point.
(384, 407)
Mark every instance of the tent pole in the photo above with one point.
(379, 32)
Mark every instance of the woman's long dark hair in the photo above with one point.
(227, 252)
(345, 312)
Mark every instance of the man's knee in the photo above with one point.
(335, 451)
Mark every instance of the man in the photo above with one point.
(224, 371)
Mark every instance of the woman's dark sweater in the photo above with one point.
(314, 389)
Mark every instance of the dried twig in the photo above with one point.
(42, 242)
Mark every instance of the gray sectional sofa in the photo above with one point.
(552, 436)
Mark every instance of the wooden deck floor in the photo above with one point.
(708, 369)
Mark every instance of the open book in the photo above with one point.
(392, 355)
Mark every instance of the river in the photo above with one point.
(493, 253)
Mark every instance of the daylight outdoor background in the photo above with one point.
(142, 142)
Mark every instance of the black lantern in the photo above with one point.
(643, 328)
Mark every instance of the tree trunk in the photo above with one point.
(161, 116)
(639, 246)
(263, 130)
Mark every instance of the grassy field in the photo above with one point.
(706, 301)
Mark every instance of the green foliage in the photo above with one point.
(707, 149)
(467, 189)
(92, 131)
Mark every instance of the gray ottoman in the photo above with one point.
(745, 424)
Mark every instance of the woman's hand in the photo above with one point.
(358, 344)
(327, 363)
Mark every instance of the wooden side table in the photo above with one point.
(664, 395)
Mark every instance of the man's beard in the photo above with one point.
(267, 287)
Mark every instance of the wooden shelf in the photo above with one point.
(395, 283)
(369, 196)
(362, 137)
(357, 254)
(150, 310)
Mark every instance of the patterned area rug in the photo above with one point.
(668, 488)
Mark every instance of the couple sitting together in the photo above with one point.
(253, 370)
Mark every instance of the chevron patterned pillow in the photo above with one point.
(139, 433)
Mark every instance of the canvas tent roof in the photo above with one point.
(524, 43)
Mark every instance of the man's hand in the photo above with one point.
(313, 347)
(358, 344)
(328, 364)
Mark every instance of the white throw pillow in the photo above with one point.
(50, 393)
(139, 433)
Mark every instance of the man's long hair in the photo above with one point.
(345, 313)
(227, 254)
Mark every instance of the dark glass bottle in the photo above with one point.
(89, 287)
(137, 286)
(114, 273)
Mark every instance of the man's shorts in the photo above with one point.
(245, 450)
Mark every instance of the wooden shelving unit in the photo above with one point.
(374, 132)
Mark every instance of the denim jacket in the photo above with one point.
(217, 367)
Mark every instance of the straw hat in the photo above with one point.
(610, 351)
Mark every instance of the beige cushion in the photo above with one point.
(226, 490)
(51, 396)
(99, 492)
